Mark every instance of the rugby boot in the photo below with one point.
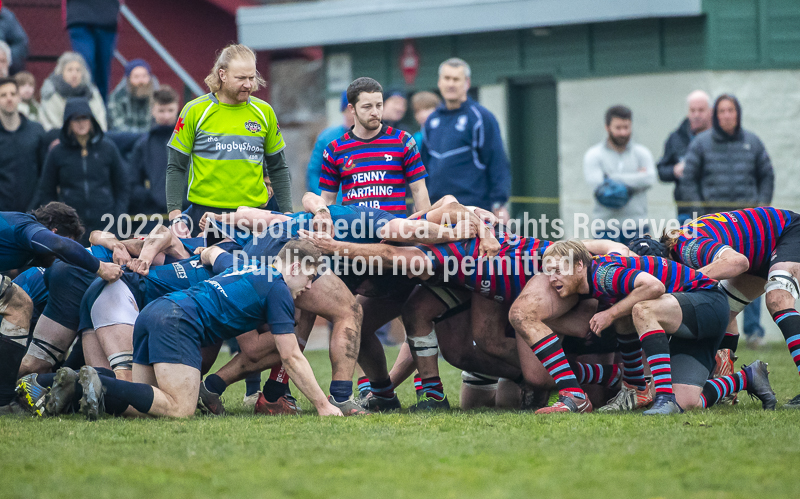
(209, 402)
(567, 403)
(665, 403)
(758, 384)
(284, 406)
(427, 403)
(376, 403)
(62, 393)
(31, 394)
(349, 407)
(13, 408)
(793, 404)
(250, 400)
(92, 405)
(629, 398)
(725, 359)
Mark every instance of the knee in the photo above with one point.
(20, 305)
(641, 311)
(777, 301)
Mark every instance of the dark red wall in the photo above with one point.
(191, 30)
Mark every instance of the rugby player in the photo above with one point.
(34, 240)
(752, 251)
(171, 330)
(656, 297)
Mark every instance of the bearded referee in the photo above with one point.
(223, 140)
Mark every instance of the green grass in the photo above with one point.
(724, 452)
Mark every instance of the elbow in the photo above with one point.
(94, 237)
(449, 199)
(741, 264)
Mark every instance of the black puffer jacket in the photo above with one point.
(92, 181)
(148, 172)
(727, 171)
(674, 152)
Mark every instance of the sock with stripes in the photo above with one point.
(549, 352)
(717, 388)
(730, 341)
(630, 349)
(364, 387)
(597, 374)
(383, 388)
(789, 323)
(432, 387)
(656, 346)
(418, 384)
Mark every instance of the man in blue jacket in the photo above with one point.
(463, 150)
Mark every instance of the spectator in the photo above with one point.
(323, 139)
(423, 103)
(670, 168)
(92, 27)
(27, 90)
(148, 165)
(22, 151)
(727, 168)
(70, 79)
(129, 105)
(628, 169)
(84, 170)
(395, 106)
(463, 150)
(14, 36)
(5, 59)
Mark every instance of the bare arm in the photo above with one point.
(302, 375)
(419, 191)
(727, 264)
(120, 252)
(160, 241)
(645, 287)
(329, 197)
(606, 247)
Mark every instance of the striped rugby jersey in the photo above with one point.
(501, 278)
(753, 232)
(372, 172)
(611, 277)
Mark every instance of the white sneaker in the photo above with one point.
(250, 400)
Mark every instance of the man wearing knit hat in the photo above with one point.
(129, 103)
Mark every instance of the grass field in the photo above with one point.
(725, 452)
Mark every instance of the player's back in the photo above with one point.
(15, 232)
(183, 274)
(753, 232)
(232, 303)
(675, 276)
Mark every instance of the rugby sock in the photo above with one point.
(11, 355)
(364, 386)
(46, 380)
(383, 388)
(215, 384)
(273, 390)
(656, 346)
(630, 349)
(433, 388)
(549, 352)
(113, 405)
(102, 371)
(789, 323)
(717, 388)
(597, 374)
(730, 341)
(418, 384)
(137, 395)
(341, 390)
(252, 383)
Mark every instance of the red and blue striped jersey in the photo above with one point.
(501, 278)
(611, 277)
(373, 172)
(753, 232)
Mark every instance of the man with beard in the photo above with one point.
(372, 162)
(227, 137)
(129, 104)
(619, 173)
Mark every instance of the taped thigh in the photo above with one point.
(783, 280)
(736, 299)
(424, 346)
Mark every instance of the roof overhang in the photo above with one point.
(335, 22)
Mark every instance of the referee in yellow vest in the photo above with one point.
(224, 140)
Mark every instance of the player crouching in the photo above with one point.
(170, 331)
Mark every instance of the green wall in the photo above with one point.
(733, 34)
